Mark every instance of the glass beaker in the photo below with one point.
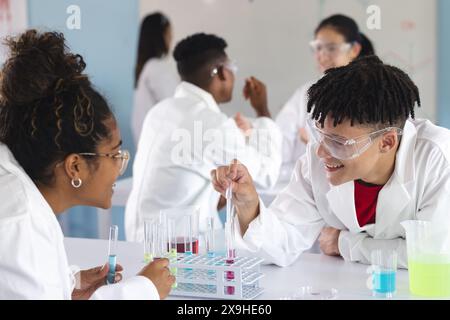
(185, 223)
(384, 271)
(428, 247)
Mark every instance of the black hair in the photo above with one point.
(48, 108)
(366, 92)
(349, 29)
(196, 53)
(152, 42)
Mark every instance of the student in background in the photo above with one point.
(60, 147)
(338, 41)
(186, 136)
(155, 75)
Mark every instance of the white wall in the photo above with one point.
(269, 39)
(13, 20)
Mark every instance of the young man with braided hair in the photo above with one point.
(369, 167)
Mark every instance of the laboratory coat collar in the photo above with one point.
(186, 89)
(392, 198)
(8, 161)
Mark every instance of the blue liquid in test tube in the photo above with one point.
(210, 248)
(112, 257)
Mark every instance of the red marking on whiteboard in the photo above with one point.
(408, 25)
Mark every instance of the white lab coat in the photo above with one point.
(160, 181)
(33, 261)
(418, 189)
(290, 119)
(156, 82)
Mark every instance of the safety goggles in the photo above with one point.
(122, 157)
(329, 49)
(342, 148)
(229, 64)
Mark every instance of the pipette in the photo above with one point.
(112, 257)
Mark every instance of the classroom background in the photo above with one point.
(268, 39)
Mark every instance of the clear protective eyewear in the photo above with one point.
(329, 49)
(123, 155)
(346, 149)
(229, 64)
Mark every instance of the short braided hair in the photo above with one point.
(366, 92)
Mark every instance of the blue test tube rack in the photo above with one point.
(205, 276)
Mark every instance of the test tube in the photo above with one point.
(210, 237)
(229, 238)
(172, 247)
(188, 236)
(148, 240)
(112, 247)
(229, 197)
(210, 248)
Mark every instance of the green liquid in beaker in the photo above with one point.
(429, 279)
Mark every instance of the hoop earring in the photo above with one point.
(76, 183)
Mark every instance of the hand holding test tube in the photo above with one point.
(112, 255)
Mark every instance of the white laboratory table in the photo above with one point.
(317, 270)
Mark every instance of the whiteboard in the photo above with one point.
(269, 39)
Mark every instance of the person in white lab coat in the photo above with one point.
(59, 148)
(186, 136)
(155, 74)
(369, 167)
(337, 42)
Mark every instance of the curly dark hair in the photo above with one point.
(366, 92)
(48, 107)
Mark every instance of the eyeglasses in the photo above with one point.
(230, 65)
(329, 49)
(123, 155)
(346, 149)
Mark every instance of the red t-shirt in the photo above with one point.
(366, 196)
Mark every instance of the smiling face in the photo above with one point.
(100, 176)
(375, 165)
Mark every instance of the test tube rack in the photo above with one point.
(203, 276)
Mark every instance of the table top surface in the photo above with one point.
(316, 270)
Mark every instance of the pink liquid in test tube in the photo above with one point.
(231, 254)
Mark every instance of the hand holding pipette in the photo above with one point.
(244, 195)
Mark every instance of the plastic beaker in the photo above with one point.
(428, 247)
